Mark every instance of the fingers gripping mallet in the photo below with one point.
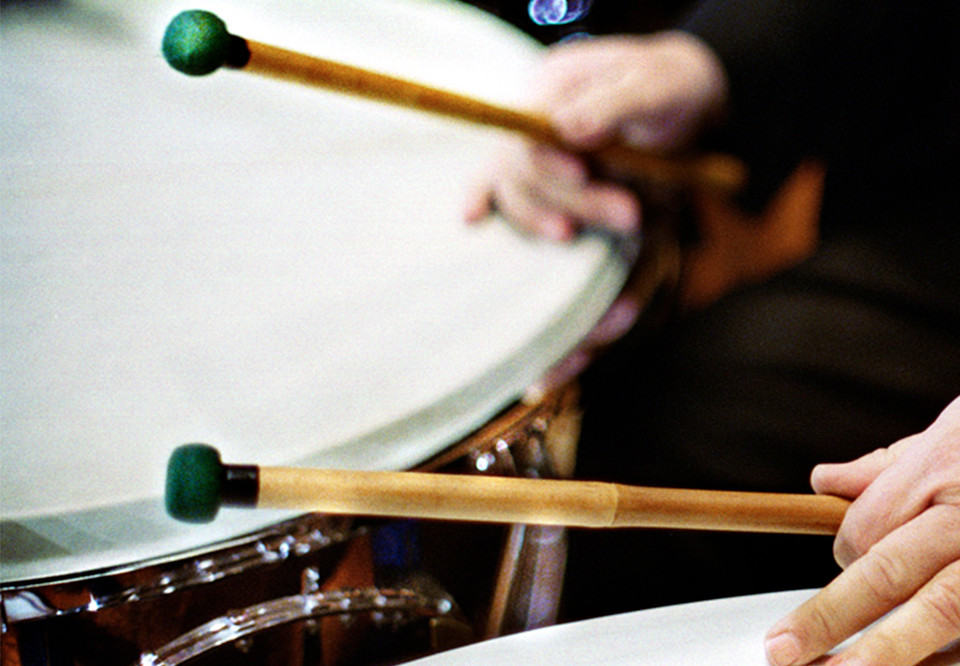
(197, 42)
(198, 484)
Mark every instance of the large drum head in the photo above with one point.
(279, 271)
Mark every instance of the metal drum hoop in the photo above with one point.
(293, 538)
(384, 605)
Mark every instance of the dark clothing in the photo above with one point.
(852, 350)
(871, 87)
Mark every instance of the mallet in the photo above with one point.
(197, 42)
(198, 483)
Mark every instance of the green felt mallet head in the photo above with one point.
(194, 480)
(197, 42)
(199, 483)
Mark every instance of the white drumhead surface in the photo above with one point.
(278, 271)
(710, 633)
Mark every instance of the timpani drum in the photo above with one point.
(280, 271)
(709, 633)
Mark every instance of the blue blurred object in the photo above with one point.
(396, 546)
(558, 12)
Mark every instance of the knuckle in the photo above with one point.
(941, 599)
(884, 577)
(821, 625)
(821, 622)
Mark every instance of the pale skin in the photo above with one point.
(899, 544)
(656, 93)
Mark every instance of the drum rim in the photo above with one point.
(37, 598)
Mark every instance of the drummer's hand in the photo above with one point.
(899, 544)
(652, 92)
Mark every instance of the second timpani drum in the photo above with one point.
(710, 633)
(280, 271)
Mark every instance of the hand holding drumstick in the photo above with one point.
(199, 483)
(900, 545)
(197, 42)
(565, 142)
(656, 94)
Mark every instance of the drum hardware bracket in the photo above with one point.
(384, 606)
(539, 444)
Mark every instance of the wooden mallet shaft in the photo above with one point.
(198, 483)
(715, 172)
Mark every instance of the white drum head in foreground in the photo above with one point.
(724, 632)
(278, 271)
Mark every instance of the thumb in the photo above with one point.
(852, 478)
